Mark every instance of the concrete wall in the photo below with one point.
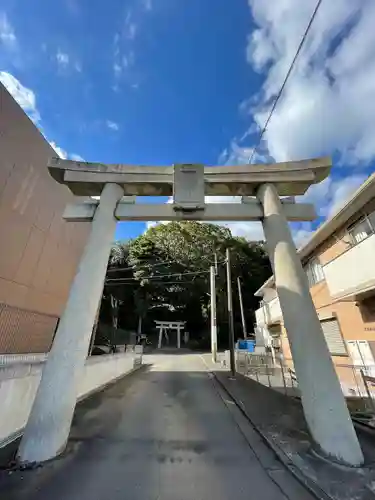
(39, 252)
(340, 241)
(352, 270)
(19, 382)
(269, 313)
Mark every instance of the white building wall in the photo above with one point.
(354, 270)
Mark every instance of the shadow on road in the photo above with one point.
(158, 433)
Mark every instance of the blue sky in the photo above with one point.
(161, 81)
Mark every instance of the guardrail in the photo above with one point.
(357, 381)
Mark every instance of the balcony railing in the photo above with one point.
(352, 272)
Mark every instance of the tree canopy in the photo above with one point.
(164, 274)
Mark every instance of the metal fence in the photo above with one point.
(357, 381)
(24, 332)
(107, 339)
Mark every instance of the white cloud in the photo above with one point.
(23, 95)
(327, 197)
(112, 125)
(343, 190)
(62, 59)
(121, 61)
(252, 231)
(131, 31)
(7, 34)
(302, 234)
(64, 154)
(117, 69)
(130, 27)
(147, 4)
(239, 155)
(329, 102)
(128, 59)
(60, 152)
(76, 157)
(331, 194)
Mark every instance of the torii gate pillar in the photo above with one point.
(48, 426)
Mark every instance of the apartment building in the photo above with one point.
(339, 260)
(39, 251)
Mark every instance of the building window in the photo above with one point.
(360, 230)
(314, 272)
(332, 334)
(363, 228)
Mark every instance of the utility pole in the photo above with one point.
(213, 314)
(241, 306)
(230, 315)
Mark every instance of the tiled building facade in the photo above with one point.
(39, 251)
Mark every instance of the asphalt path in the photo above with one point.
(167, 432)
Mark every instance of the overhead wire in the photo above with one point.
(136, 266)
(161, 283)
(158, 276)
(303, 39)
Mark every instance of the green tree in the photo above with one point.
(167, 276)
(117, 298)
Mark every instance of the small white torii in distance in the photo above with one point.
(165, 327)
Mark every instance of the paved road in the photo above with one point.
(166, 433)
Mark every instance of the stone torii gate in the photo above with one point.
(261, 186)
(165, 327)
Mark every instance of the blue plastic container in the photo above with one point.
(246, 345)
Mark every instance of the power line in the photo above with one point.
(136, 266)
(161, 283)
(286, 78)
(157, 276)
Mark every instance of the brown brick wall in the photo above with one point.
(39, 251)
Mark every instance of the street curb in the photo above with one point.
(306, 482)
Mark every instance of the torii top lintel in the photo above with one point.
(290, 178)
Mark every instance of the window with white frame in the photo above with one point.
(360, 230)
(314, 271)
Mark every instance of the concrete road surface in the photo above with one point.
(168, 433)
